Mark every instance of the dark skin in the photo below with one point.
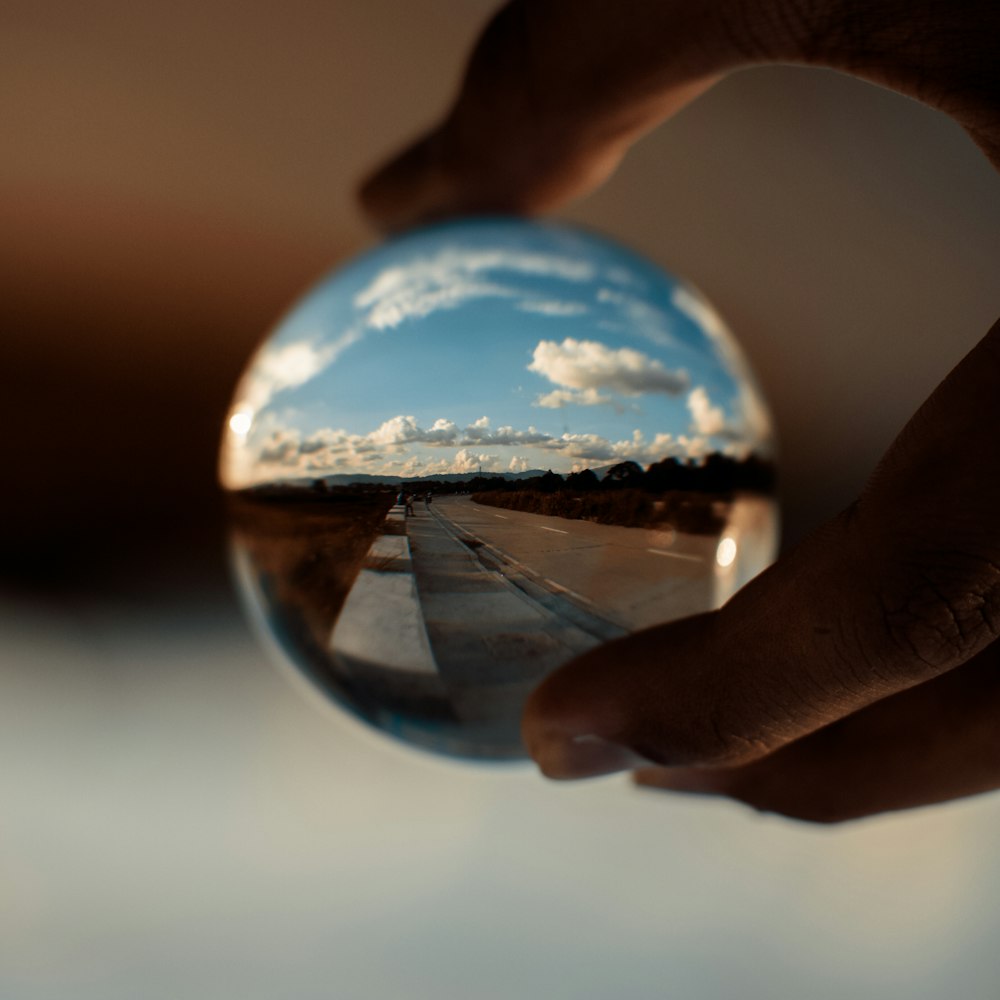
(860, 673)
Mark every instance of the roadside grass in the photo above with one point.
(308, 552)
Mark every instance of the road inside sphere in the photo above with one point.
(633, 577)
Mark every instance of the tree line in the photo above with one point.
(717, 474)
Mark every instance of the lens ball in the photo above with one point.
(478, 451)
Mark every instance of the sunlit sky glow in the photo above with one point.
(499, 345)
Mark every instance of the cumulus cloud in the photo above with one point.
(397, 430)
(559, 398)
(403, 430)
(480, 432)
(329, 449)
(590, 446)
(467, 461)
(279, 446)
(592, 449)
(330, 442)
(707, 419)
(463, 462)
(748, 430)
(389, 449)
(583, 368)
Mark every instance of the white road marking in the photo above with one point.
(566, 590)
(676, 555)
(558, 531)
(501, 516)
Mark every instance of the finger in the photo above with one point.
(553, 95)
(932, 743)
(901, 588)
(556, 90)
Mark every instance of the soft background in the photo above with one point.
(177, 819)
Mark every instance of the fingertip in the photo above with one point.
(568, 758)
(571, 736)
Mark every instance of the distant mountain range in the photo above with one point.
(444, 477)
(307, 482)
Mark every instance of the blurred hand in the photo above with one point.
(861, 673)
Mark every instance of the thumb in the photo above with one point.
(721, 688)
(900, 588)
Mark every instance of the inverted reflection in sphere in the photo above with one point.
(479, 451)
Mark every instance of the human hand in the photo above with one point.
(861, 673)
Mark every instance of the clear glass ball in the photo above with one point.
(478, 451)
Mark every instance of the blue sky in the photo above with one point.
(498, 344)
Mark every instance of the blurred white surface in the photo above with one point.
(178, 822)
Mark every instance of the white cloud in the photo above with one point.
(559, 398)
(581, 368)
(505, 436)
(413, 303)
(397, 430)
(755, 422)
(702, 315)
(623, 276)
(279, 446)
(552, 307)
(706, 419)
(387, 450)
(277, 367)
(640, 316)
(585, 446)
(456, 274)
(749, 429)
(467, 461)
(693, 447)
(592, 449)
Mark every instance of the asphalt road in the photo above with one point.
(474, 605)
(632, 577)
(493, 634)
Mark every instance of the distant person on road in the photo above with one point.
(405, 500)
(861, 672)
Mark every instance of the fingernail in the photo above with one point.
(566, 757)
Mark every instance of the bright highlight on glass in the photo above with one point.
(725, 554)
(240, 421)
(480, 451)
